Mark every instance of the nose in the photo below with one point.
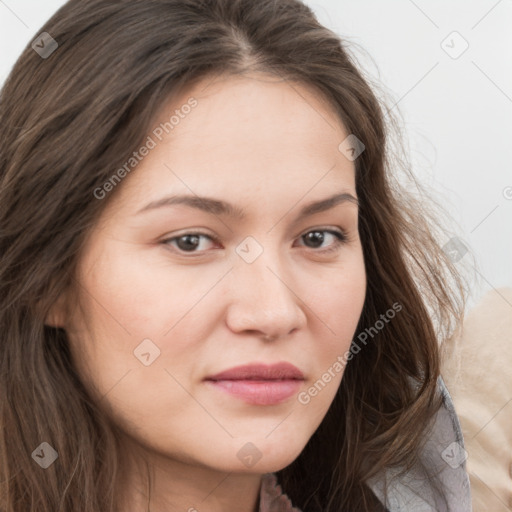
(263, 300)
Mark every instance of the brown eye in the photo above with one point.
(188, 242)
(316, 238)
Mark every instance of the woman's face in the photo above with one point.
(164, 312)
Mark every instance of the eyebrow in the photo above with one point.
(219, 207)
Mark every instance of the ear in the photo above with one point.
(57, 315)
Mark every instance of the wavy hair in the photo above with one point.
(67, 120)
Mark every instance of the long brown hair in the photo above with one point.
(68, 120)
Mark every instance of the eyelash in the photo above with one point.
(340, 235)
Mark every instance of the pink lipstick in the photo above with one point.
(259, 384)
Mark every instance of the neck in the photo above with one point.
(150, 482)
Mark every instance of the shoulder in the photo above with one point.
(439, 479)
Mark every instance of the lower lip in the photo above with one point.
(259, 392)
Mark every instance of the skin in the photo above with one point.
(269, 147)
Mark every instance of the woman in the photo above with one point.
(215, 296)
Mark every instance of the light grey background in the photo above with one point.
(457, 109)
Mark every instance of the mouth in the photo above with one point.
(259, 384)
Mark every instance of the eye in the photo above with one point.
(197, 243)
(189, 242)
(317, 237)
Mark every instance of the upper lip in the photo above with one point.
(278, 371)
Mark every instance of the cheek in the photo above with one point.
(133, 307)
(141, 293)
(338, 302)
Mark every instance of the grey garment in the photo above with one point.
(446, 486)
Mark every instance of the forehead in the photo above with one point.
(258, 111)
(246, 136)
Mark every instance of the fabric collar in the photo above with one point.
(272, 498)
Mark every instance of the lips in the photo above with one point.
(279, 371)
(259, 384)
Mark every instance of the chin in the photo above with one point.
(267, 457)
(272, 466)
